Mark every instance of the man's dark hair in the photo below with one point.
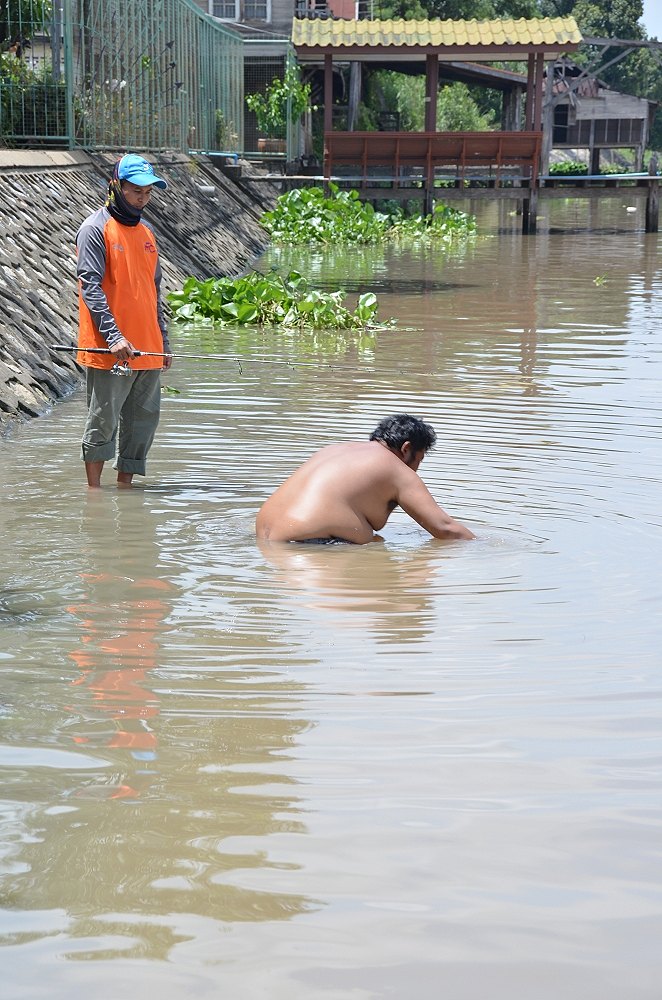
(401, 427)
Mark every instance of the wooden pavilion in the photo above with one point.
(413, 159)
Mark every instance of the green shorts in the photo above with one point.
(123, 413)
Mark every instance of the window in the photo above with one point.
(227, 10)
(256, 10)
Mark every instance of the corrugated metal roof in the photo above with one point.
(554, 32)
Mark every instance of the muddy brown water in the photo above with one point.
(410, 770)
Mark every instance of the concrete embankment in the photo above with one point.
(206, 225)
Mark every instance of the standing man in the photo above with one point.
(346, 492)
(120, 305)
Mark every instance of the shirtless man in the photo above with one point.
(346, 492)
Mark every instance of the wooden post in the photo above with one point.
(653, 207)
(328, 113)
(530, 213)
(328, 92)
(431, 89)
(431, 92)
(528, 121)
(595, 160)
(355, 81)
(547, 121)
(537, 102)
(594, 153)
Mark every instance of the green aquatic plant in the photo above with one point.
(308, 216)
(600, 280)
(446, 224)
(269, 300)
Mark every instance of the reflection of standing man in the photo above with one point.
(122, 603)
(120, 308)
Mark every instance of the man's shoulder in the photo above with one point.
(96, 221)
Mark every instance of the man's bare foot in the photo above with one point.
(93, 472)
(124, 480)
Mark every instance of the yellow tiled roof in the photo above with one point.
(554, 32)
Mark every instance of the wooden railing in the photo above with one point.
(398, 153)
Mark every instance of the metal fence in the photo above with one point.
(33, 93)
(118, 74)
(265, 61)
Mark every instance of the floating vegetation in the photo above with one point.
(600, 279)
(308, 216)
(269, 300)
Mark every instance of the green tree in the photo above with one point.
(458, 112)
(455, 10)
(618, 19)
(556, 8)
(635, 73)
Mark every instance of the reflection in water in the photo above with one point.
(121, 615)
(195, 775)
(386, 593)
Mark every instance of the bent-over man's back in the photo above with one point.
(346, 492)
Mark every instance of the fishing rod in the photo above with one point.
(124, 369)
(198, 357)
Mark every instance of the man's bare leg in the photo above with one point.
(124, 480)
(93, 472)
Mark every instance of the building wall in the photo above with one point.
(609, 104)
(279, 13)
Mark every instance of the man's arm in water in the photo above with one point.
(417, 501)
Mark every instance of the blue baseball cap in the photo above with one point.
(137, 170)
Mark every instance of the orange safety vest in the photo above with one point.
(130, 289)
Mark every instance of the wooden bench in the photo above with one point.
(398, 152)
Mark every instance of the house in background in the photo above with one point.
(265, 27)
(589, 115)
(271, 16)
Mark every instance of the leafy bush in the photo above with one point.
(32, 104)
(566, 168)
(613, 168)
(271, 107)
(269, 300)
(457, 110)
(308, 216)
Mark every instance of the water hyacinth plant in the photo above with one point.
(307, 216)
(269, 300)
